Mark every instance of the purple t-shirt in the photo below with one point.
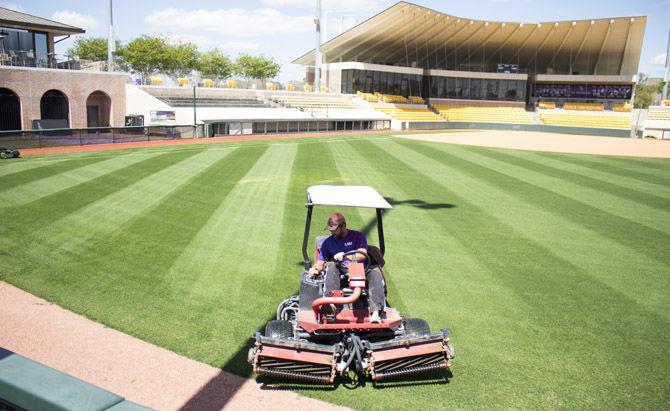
(352, 241)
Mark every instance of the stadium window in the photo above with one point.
(466, 88)
(382, 82)
(441, 88)
(451, 87)
(375, 81)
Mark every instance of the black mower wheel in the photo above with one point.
(415, 327)
(280, 329)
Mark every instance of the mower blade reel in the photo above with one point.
(410, 356)
(294, 360)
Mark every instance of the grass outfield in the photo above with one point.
(550, 269)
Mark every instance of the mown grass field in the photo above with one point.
(551, 270)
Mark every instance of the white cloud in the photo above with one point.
(232, 22)
(658, 60)
(208, 43)
(73, 18)
(12, 6)
(334, 5)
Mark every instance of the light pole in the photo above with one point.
(667, 69)
(110, 40)
(317, 50)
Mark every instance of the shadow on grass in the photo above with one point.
(221, 389)
(419, 204)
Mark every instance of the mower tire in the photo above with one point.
(279, 329)
(415, 327)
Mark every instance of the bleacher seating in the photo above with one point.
(368, 97)
(484, 114)
(584, 106)
(658, 113)
(315, 101)
(416, 100)
(547, 105)
(391, 98)
(183, 81)
(155, 81)
(404, 113)
(621, 107)
(208, 82)
(567, 119)
(231, 84)
(212, 102)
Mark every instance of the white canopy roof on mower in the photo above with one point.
(346, 196)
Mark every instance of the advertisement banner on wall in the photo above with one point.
(163, 117)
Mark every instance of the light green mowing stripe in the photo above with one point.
(410, 229)
(575, 317)
(633, 215)
(240, 241)
(44, 171)
(542, 226)
(624, 167)
(41, 188)
(70, 233)
(595, 176)
(632, 199)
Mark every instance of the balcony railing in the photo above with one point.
(51, 61)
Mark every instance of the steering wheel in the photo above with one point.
(353, 252)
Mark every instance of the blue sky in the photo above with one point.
(283, 29)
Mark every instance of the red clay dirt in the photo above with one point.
(134, 369)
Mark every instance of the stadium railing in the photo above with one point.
(98, 135)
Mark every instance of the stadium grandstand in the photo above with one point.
(577, 72)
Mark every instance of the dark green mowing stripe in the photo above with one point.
(609, 165)
(30, 217)
(47, 170)
(645, 240)
(625, 193)
(532, 271)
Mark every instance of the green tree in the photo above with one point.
(146, 55)
(181, 59)
(91, 48)
(214, 64)
(257, 67)
(644, 94)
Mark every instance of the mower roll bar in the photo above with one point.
(308, 222)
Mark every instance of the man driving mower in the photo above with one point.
(336, 252)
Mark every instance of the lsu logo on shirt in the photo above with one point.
(347, 244)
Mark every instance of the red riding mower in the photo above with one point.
(306, 345)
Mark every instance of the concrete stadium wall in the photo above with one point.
(453, 125)
(31, 83)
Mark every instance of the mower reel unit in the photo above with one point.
(307, 345)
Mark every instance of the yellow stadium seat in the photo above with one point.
(484, 114)
(409, 113)
(231, 84)
(610, 121)
(208, 82)
(155, 81)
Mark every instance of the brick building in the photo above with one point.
(41, 89)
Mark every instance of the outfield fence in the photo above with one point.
(94, 135)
